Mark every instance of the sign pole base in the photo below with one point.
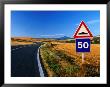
(82, 58)
(82, 66)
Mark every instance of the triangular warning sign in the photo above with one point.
(82, 31)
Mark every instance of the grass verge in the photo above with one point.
(59, 64)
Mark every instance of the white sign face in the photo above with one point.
(83, 31)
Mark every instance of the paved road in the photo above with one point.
(24, 61)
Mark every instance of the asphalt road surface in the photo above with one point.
(24, 61)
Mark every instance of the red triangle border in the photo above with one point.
(90, 34)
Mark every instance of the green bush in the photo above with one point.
(72, 70)
(65, 57)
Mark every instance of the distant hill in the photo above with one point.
(63, 38)
(95, 40)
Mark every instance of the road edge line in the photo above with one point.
(39, 64)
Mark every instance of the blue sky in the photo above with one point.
(52, 24)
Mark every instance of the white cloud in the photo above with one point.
(77, 24)
(93, 21)
(52, 35)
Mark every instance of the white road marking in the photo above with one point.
(39, 64)
(13, 49)
(18, 47)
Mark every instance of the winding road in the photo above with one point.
(24, 61)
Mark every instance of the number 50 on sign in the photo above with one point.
(83, 45)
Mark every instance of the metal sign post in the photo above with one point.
(82, 58)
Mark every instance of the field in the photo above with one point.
(25, 40)
(62, 60)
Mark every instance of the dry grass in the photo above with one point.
(23, 40)
(62, 60)
(92, 57)
(13, 43)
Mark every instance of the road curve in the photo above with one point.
(24, 61)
